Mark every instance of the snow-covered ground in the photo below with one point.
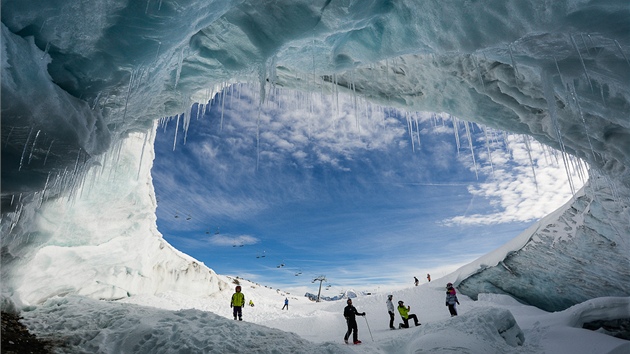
(176, 323)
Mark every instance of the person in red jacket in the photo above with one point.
(451, 299)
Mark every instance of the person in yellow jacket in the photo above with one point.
(237, 303)
(406, 316)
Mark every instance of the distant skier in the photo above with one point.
(390, 310)
(429, 277)
(451, 299)
(237, 303)
(406, 316)
(286, 303)
(416, 281)
(251, 303)
(349, 312)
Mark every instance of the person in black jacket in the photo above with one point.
(349, 312)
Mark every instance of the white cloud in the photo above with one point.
(518, 192)
(230, 240)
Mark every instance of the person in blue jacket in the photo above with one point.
(286, 303)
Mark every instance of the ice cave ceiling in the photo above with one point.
(79, 76)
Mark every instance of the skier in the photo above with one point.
(237, 303)
(406, 316)
(451, 299)
(390, 310)
(349, 312)
(286, 303)
(416, 281)
(251, 303)
(429, 277)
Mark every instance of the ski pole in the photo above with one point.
(368, 326)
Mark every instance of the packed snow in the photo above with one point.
(178, 323)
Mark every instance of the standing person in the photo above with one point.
(349, 313)
(390, 310)
(429, 277)
(237, 303)
(286, 303)
(451, 299)
(406, 316)
(416, 281)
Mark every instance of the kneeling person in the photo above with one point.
(406, 316)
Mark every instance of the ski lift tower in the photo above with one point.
(320, 279)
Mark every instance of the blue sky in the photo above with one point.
(297, 187)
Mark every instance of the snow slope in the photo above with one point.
(173, 322)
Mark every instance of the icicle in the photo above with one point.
(479, 73)
(30, 156)
(231, 93)
(456, 131)
(46, 50)
(258, 136)
(41, 201)
(417, 129)
(98, 96)
(6, 142)
(180, 62)
(354, 100)
(410, 128)
(25, 147)
(551, 104)
(470, 143)
(128, 94)
(513, 61)
(222, 107)
(157, 52)
(585, 45)
(577, 103)
(176, 129)
(531, 160)
(186, 125)
(582, 61)
(485, 133)
(621, 51)
(144, 144)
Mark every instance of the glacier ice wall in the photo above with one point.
(578, 253)
(78, 78)
(101, 240)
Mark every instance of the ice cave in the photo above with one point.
(83, 83)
